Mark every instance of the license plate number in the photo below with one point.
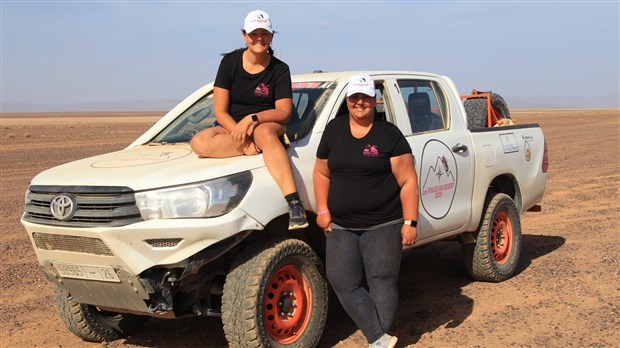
(100, 273)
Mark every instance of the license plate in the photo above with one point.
(100, 273)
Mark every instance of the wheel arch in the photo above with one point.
(276, 229)
(507, 184)
(503, 183)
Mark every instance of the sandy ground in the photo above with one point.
(566, 292)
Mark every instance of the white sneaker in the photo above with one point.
(385, 341)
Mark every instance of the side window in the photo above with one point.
(426, 105)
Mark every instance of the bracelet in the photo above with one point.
(323, 212)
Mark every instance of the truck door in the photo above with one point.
(441, 148)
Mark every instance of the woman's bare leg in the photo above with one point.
(215, 142)
(267, 138)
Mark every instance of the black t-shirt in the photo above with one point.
(252, 93)
(363, 192)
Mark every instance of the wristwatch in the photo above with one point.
(412, 223)
(254, 118)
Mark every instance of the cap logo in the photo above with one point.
(260, 19)
(362, 82)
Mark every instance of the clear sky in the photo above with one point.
(534, 53)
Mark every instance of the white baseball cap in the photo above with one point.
(361, 83)
(257, 19)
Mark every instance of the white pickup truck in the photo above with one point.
(153, 230)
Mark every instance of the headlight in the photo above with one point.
(208, 199)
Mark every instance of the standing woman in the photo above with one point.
(366, 192)
(252, 102)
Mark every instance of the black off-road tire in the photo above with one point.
(476, 110)
(499, 105)
(94, 325)
(268, 279)
(495, 255)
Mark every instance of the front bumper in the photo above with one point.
(130, 251)
(128, 295)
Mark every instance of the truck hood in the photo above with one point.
(145, 167)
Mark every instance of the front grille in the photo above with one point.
(163, 242)
(57, 242)
(95, 206)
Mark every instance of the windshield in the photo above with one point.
(308, 100)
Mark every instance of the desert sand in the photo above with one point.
(566, 292)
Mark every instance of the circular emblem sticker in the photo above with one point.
(438, 178)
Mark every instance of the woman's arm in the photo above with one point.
(320, 177)
(221, 104)
(404, 171)
(281, 114)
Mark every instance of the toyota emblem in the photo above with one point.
(63, 207)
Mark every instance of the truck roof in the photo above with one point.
(338, 75)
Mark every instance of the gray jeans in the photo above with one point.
(375, 254)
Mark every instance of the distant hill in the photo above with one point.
(562, 102)
(514, 102)
(112, 106)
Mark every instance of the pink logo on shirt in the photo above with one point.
(262, 90)
(371, 151)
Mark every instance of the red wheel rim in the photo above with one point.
(287, 304)
(501, 237)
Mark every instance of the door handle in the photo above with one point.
(459, 148)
